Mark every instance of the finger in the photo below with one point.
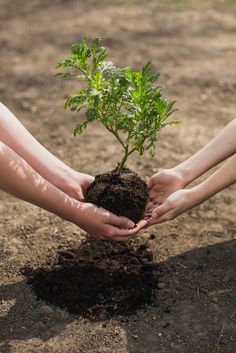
(88, 182)
(122, 234)
(147, 217)
(152, 221)
(125, 234)
(149, 205)
(147, 225)
(151, 182)
(152, 204)
(133, 231)
(156, 195)
(166, 217)
(78, 194)
(121, 222)
(158, 186)
(160, 210)
(80, 198)
(149, 210)
(141, 224)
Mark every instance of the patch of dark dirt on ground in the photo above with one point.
(190, 305)
(159, 305)
(98, 279)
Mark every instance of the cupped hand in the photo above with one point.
(104, 225)
(176, 204)
(74, 184)
(163, 184)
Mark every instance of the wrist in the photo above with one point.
(183, 175)
(197, 194)
(186, 174)
(59, 175)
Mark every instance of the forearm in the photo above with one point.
(18, 138)
(221, 179)
(19, 179)
(217, 150)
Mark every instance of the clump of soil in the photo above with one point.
(98, 280)
(124, 193)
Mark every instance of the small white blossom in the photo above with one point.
(107, 66)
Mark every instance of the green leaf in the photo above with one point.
(64, 74)
(129, 103)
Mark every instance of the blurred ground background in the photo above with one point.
(191, 308)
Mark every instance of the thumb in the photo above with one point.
(75, 193)
(80, 196)
(150, 182)
(160, 210)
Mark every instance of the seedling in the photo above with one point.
(125, 101)
(128, 103)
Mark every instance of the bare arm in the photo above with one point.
(18, 178)
(216, 151)
(19, 139)
(167, 181)
(183, 200)
(221, 179)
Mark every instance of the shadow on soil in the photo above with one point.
(98, 280)
(194, 292)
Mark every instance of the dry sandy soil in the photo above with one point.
(173, 288)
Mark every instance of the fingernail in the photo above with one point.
(131, 224)
(143, 223)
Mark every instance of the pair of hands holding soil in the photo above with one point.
(30, 172)
(161, 185)
(168, 195)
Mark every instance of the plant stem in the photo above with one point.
(116, 135)
(124, 159)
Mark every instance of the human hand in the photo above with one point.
(164, 183)
(104, 225)
(161, 185)
(177, 203)
(73, 183)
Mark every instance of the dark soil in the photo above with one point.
(98, 279)
(124, 194)
(186, 302)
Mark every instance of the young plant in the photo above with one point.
(127, 102)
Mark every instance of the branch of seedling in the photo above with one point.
(128, 103)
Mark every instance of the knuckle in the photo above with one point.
(109, 233)
(171, 203)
